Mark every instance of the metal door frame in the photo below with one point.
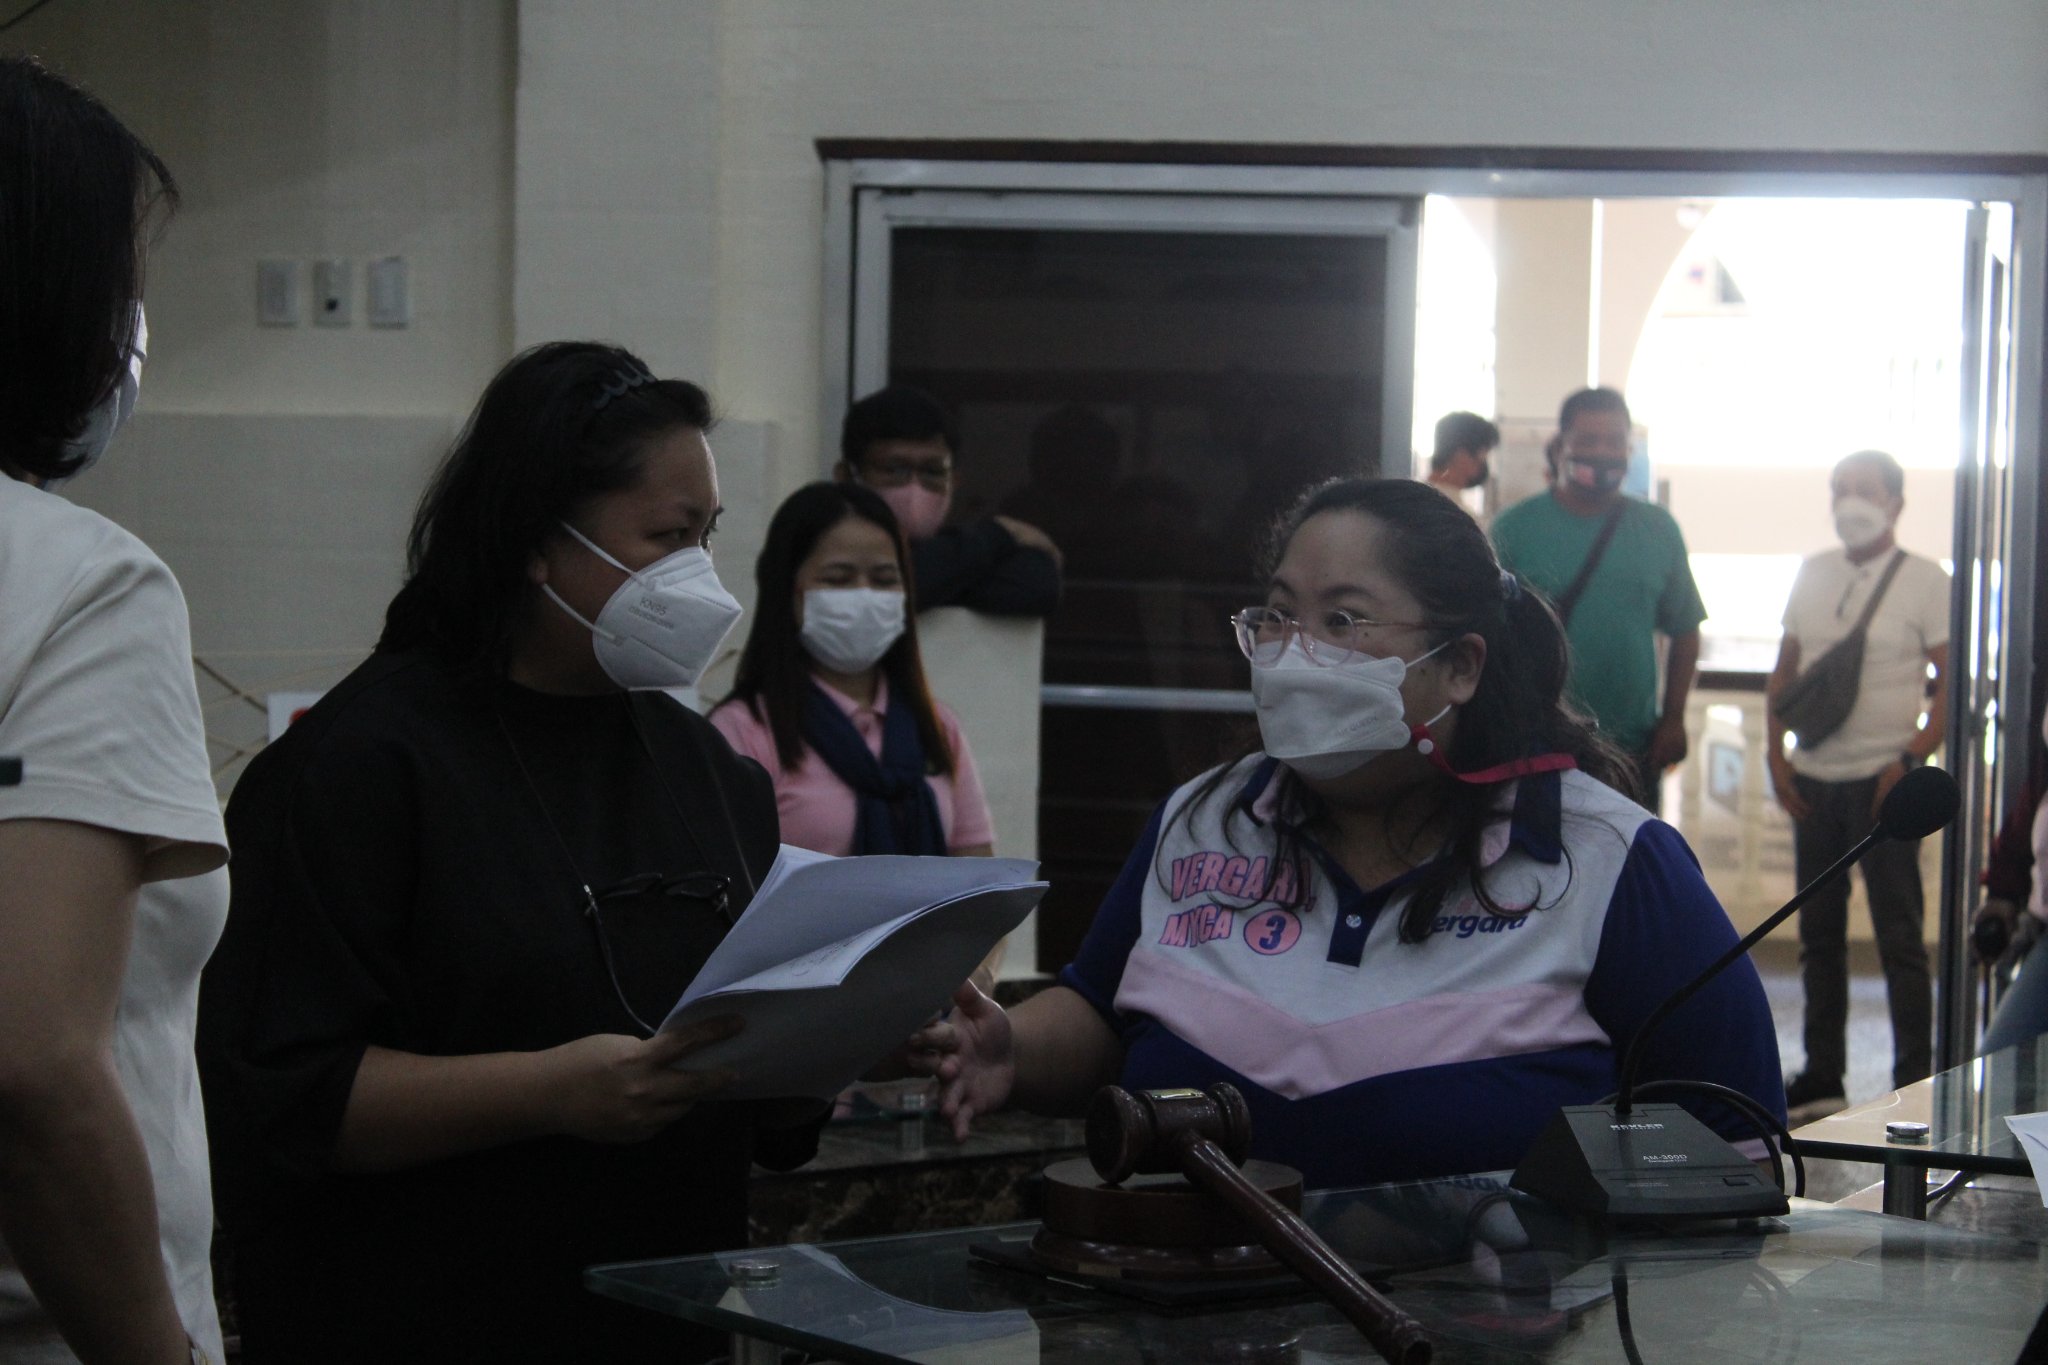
(879, 211)
(1983, 526)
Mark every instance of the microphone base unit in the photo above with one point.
(1658, 1164)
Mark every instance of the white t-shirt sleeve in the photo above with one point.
(103, 713)
(1795, 601)
(1930, 603)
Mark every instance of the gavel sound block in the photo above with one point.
(1135, 1216)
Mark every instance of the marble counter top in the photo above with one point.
(905, 1173)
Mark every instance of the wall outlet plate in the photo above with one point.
(333, 304)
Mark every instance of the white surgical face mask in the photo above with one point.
(849, 629)
(1859, 521)
(117, 407)
(664, 625)
(1326, 720)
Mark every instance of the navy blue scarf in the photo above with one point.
(895, 811)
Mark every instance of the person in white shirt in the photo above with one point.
(112, 892)
(1832, 790)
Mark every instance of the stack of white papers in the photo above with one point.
(838, 960)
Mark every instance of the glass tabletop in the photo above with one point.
(1964, 1109)
(1491, 1273)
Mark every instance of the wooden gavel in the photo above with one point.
(1205, 1135)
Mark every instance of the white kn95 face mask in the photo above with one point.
(663, 626)
(1327, 720)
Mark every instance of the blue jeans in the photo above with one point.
(2023, 1011)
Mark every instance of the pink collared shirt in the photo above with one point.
(817, 808)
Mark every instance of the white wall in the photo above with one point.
(615, 205)
(302, 129)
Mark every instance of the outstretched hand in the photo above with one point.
(971, 1053)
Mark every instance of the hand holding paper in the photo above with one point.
(837, 960)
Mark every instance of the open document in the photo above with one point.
(838, 960)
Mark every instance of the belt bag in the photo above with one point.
(1816, 703)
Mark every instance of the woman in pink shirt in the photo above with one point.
(831, 696)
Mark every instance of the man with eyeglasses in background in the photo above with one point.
(1617, 571)
(901, 442)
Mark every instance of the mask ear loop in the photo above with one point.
(593, 627)
(609, 637)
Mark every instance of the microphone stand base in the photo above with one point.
(1659, 1164)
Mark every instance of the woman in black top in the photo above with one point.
(467, 883)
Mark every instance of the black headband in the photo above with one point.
(620, 382)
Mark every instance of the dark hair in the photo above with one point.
(774, 676)
(561, 424)
(1887, 469)
(1437, 552)
(897, 413)
(1592, 400)
(77, 192)
(1458, 431)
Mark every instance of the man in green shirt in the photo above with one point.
(1640, 585)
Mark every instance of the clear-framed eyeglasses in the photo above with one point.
(1330, 637)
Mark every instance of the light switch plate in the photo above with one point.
(332, 305)
(388, 301)
(277, 293)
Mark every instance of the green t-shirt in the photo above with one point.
(1643, 585)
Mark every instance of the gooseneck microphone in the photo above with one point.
(1623, 1161)
(1923, 801)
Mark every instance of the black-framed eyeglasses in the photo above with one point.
(707, 889)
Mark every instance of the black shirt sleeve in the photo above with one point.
(981, 566)
(309, 968)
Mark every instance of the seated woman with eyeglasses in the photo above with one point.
(467, 880)
(1416, 921)
(831, 698)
